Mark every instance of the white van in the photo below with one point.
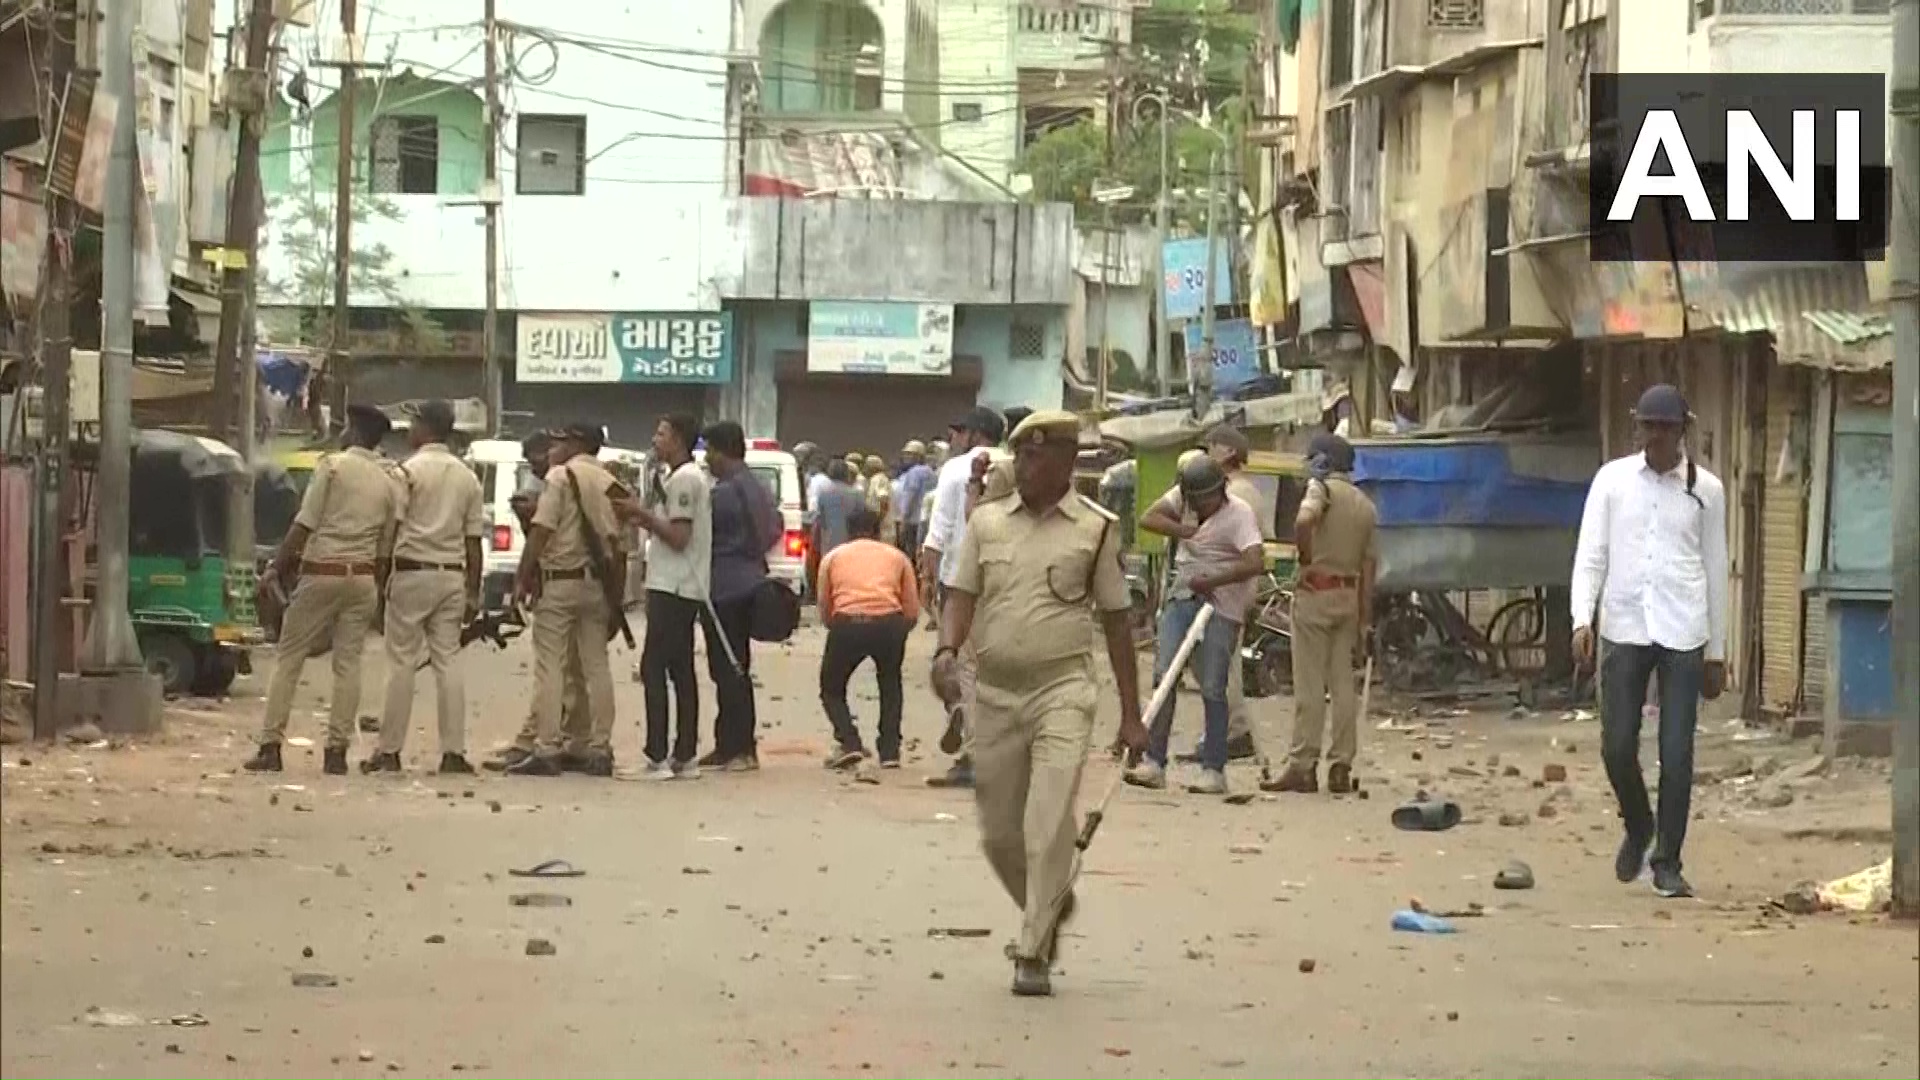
(503, 471)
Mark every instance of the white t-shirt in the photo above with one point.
(688, 572)
(947, 525)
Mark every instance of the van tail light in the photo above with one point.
(796, 544)
(503, 538)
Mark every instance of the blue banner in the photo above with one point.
(1236, 353)
(1184, 280)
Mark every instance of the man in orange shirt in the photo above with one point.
(870, 601)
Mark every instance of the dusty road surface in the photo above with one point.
(161, 910)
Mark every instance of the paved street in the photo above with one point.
(793, 923)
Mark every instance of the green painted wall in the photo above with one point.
(458, 110)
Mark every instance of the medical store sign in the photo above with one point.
(625, 347)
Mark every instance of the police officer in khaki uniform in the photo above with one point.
(558, 578)
(576, 720)
(334, 556)
(434, 589)
(1332, 606)
(1028, 569)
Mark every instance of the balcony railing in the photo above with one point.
(1790, 8)
(1079, 21)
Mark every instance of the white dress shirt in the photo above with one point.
(948, 525)
(1654, 558)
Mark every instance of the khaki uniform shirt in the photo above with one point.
(1343, 537)
(348, 507)
(1035, 574)
(559, 511)
(440, 507)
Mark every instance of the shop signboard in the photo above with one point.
(880, 338)
(625, 347)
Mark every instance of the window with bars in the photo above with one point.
(405, 155)
(1456, 14)
(1026, 340)
(550, 154)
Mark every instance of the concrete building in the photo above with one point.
(613, 162)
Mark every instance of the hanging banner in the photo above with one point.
(1184, 266)
(625, 347)
(882, 338)
(1236, 353)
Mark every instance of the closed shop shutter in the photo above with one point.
(870, 413)
(1783, 539)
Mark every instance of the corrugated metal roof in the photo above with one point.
(1819, 316)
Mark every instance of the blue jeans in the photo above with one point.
(1624, 673)
(1212, 659)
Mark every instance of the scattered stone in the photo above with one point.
(1547, 810)
(1493, 761)
(1362, 792)
(1510, 770)
(1417, 756)
(936, 976)
(1513, 820)
(314, 980)
(366, 1055)
(173, 1048)
(1467, 771)
(955, 931)
(1307, 964)
(1245, 849)
(540, 899)
(1195, 954)
(1515, 876)
(1452, 1015)
(436, 939)
(541, 947)
(1802, 899)
(1118, 1051)
(1571, 748)
(695, 871)
(84, 732)
(306, 952)
(1553, 773)
(340, 870)
(1772, 797)
(493, 805)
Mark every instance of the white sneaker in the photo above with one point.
(1147, 775)
(684, 770)
(1210, 782)
(657, 770)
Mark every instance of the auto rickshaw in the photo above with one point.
(194, 619)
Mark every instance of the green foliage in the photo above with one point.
(1198, 50)
(305, 234)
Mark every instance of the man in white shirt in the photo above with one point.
(1652, 559)
(958, 485)
(678, 516)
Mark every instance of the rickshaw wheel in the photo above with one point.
(172, 658)
(214, 673)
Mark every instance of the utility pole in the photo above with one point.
(111, 643)
(56, 372)
(1905, 295)
(1162, 355)
(235, 372)
(1200, 369)
(490, 196)
(338, 355)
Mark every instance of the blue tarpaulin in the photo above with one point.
(1416, 483)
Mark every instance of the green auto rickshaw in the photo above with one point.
(192, 608)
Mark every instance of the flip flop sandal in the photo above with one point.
(552, 868)
(1433, 815)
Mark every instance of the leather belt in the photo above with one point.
(581, 574)
(337, 569)
(412, 564)
(1313, 581)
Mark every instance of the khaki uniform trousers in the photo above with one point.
(323, 610)
(1326, 628)
(425, 612)
(1029, 747)
(576, 720)
(570, 614)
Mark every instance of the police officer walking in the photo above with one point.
(434, 589)
(1023, 579)
(558, 577)
(1332, 606)
(335, 558)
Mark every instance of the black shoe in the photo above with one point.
(955, 736)
(506, 759)
(534, 765)
(715, 760)
(454, 765)
(572, 762)
(597, 765)
(1296, 780)
(335, 761)
(845, 757)
(266, 759)
(1031, 978)
(960, 776)
(1240, 747)
(380, 763)
(1668, 883)
(1340, 780)
(1632, 858)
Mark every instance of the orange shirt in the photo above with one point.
(868, 578)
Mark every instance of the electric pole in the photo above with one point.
(1162, 355)
(235, 372)
(111, 643)
(1200, 368)
(337, 351)
(56, 372)
(1904, 270)
(490, 196)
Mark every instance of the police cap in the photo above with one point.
(1047, 426)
